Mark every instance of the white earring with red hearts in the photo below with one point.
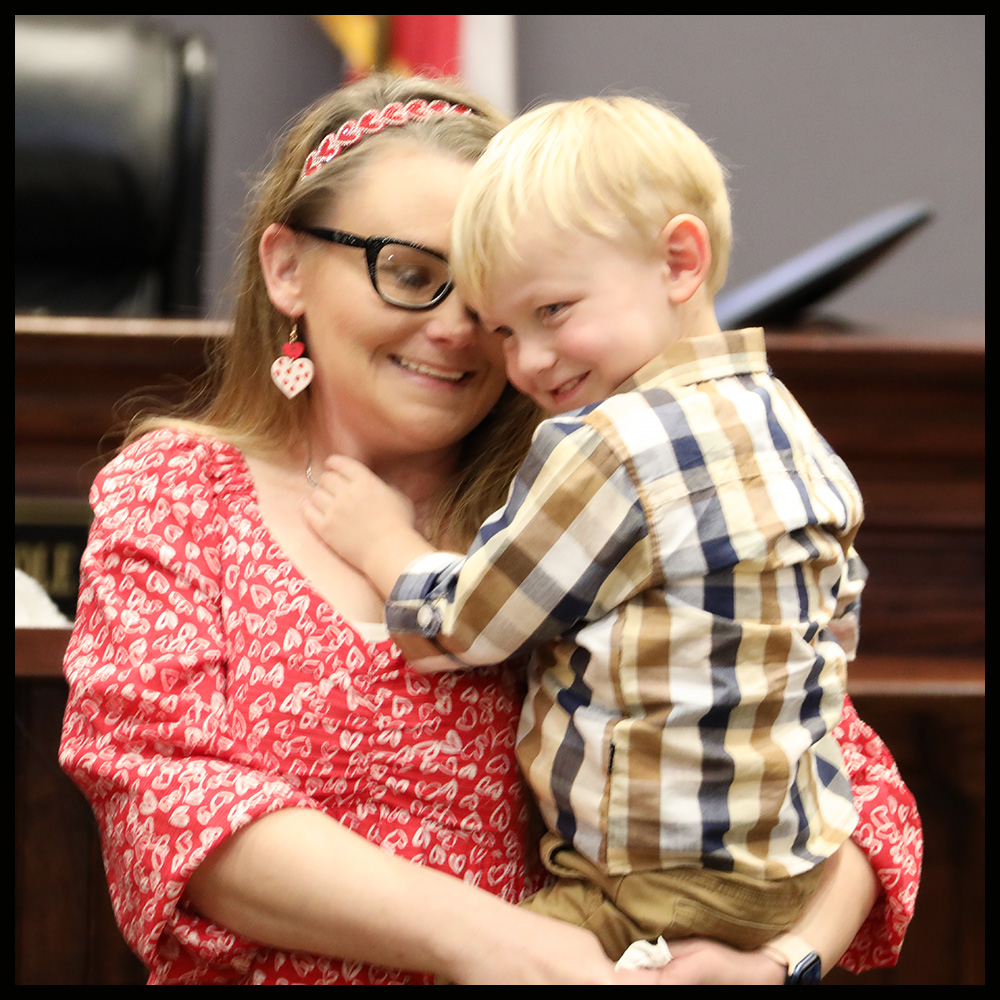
(292, 372)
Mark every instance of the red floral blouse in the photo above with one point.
(211, 685)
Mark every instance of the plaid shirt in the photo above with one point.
(677, 559)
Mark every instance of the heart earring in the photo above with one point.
(292, 372)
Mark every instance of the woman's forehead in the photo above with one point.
(407, 191)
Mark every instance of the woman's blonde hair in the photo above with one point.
(236, 400)
(619, 168)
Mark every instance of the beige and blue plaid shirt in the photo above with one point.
(676, 559)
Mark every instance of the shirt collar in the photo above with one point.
(701, 359)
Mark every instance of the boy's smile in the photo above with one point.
(578, 316)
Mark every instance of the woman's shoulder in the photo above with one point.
(171, 463)
(177, 452)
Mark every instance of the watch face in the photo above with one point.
(808, 972)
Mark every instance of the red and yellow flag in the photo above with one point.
(478, 48)
(403, 43)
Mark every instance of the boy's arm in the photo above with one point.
(570, 544)
(370, 525)
(829, 920)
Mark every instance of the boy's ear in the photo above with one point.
(280, 255)
(687, 252)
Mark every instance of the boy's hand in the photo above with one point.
(367, 523)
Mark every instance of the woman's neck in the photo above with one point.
(420, 477)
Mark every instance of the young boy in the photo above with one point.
(675, 553)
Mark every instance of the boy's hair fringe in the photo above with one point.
(618, 168)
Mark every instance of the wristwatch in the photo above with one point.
(803, 964)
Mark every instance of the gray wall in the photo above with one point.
(267, 68)
(822, 119)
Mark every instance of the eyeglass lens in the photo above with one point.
(410, 277)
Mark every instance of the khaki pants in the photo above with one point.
(678, 902)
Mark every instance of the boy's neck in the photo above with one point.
(696, 317)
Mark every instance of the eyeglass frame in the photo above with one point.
(373, 246)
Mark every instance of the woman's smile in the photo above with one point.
(431, 371)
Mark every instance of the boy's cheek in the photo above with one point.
(517, 379)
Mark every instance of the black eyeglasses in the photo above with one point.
(404, 274)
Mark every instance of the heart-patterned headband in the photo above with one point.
(371, 122)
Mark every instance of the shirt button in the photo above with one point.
(426, 616)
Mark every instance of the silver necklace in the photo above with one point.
(310, 478)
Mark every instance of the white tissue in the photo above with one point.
(645, 955)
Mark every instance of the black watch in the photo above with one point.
(803, 964)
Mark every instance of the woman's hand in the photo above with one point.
(367, 523)
(513, 946)
(702, 962)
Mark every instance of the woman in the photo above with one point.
(262, 764)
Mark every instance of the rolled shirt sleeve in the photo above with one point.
(569, 546)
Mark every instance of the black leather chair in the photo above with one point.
(109, 165)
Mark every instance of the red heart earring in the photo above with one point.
(291, 372)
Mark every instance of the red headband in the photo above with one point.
(353, 131)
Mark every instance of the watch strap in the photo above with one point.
(800, 959)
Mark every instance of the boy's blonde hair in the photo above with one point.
(618, 168)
